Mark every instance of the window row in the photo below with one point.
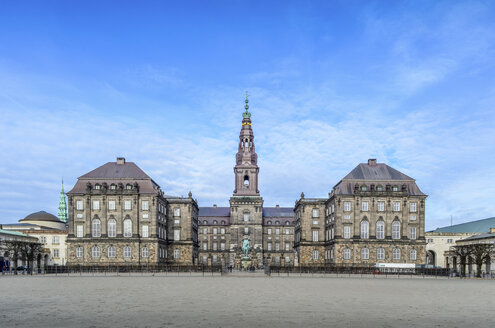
(380, 206)
(380, 230)
(277, 246)
(380, 254)
(113, 186)
(277, 222)
(277, 231)
(214, 231)
(378, 187)
(111, 252)
(111, 229)
(214, 246)
(55, 240)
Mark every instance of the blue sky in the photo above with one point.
(332, 84)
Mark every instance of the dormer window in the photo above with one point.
(223, 222)
(269, 222)
(364, 188)
(379, 188)
(128, 186)
(113, 186)
(97, 186)
(395, 188)
(215, 222)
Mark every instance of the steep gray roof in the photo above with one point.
(478, 226)
(278, 212)
(379, 171)
(214, 211)
(112, 170)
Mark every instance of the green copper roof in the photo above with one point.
(62, 206)
(478, 226)
(13, 233)
(246, 114)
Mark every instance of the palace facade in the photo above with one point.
(118, 214)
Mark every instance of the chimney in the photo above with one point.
(214, 205)
(372, 161)
(120, 160)
(492, 230)
(277, 206)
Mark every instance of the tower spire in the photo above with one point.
(62, 205)
(246, 169)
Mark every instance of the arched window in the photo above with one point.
(127, 228)
(112, 228)
(269, 222)
(127, 251)
(287, 223)
(144, 252)
(396, 230)
(223, 222)
(365, 229)
(365, 254)
(246, 181)
(96, 228)
(380, 230)
(396, 254)
(380, 254)
(111, 252)
(277, 222)
(215, 222)
(205, 222)
(95, 251)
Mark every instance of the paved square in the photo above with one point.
(159, 301)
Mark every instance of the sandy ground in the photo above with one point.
(159, 301)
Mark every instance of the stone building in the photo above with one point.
(49, 231)
(310, 230)
(440, 241)
(375, 214)
(222, 230)
(119, 215)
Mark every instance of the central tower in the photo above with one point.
(246, 169)
(246, 205)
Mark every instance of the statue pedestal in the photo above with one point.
(246, 263)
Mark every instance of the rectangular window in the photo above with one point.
(214, 259)
(127, 205)
(315, 235)
(176, 254)
(412, 207)
(287, 246)
(396, 206)
(347, 254)
(315, 255)
(246, 217)
(79, 252)
(144, 252)
(347, 232)
(205, 246)
(287, 231)
(412, 255)
(381, 206)
(246, 231)
(215, 231)
(269, 231)
(145, 205)
(277, 246)
(215, 246)
(347, 206)
(176, 234)
(56, 253)
(449, 241)
(79, 205)
(176, 211)
(55, 239)
(287, 259)
(79, 231)
(96, 204)
(111, 205)
(205, 231)
(145, 231)
(347, 217)
(316, 213)
(412, 218)
(269, 246)
(364, 206)
(413, 233)
(222, 231)
(315, 222)
(277, 231)
(222, 246)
